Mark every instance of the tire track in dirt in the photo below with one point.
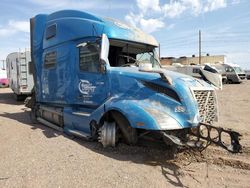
(215, 156)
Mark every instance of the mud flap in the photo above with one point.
(30, 102)
(226, 139)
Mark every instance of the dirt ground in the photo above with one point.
(32, 155)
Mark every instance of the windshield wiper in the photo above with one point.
(136, 62)
(158, 63)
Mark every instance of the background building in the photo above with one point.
(194, 60)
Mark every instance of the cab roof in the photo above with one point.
(114, 29)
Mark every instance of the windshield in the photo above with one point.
(238, 70)
(131, 54)
(149, 57)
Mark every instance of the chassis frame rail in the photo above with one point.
(234, 146)
(205, 132)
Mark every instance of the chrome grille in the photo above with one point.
(207, 104)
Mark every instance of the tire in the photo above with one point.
(129, 133)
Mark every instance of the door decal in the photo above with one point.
(86, 88)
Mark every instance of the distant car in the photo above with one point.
(4, 82)
(233, 72)
(247, 74)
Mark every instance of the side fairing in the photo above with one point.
(38, 24)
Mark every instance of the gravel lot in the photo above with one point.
(32, 155)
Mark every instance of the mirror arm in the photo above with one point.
(102, 66)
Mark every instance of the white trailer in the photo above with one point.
(19, 73)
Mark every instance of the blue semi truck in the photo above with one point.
(100, 79)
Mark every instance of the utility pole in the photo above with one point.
(200, 47)
(159, 51)
(3, 66)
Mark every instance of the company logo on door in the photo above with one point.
(85, 87)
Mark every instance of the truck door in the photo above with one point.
(91, 85)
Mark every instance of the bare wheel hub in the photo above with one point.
(107, 134)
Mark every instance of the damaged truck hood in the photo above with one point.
(162, 76)
(185, 87)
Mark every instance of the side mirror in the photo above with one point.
(104, 52)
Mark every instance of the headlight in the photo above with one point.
(165, 121)
(169, 123)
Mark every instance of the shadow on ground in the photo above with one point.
(8, 98)
(143, 153)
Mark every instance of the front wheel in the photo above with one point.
(129, 134)
(107, 134)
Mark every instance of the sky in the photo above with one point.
(224, 24)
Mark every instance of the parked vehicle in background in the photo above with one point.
(233, 72)
(100, 79)
(3, 78)
(247, 74)
(207, 73)
(212, 68)
(239, 71)
(19, 74)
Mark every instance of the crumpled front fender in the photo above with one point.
(144, 115)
